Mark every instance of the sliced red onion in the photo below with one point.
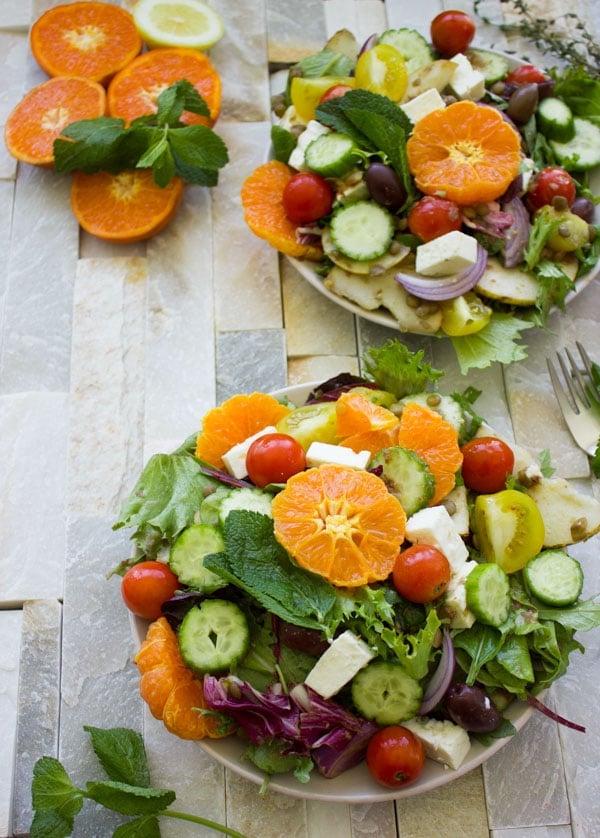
(368, 44)
(535, 702)
(441, 678)
(223, 477)
(446, 287)
(516, 238)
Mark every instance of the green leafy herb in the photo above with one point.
(160, 141)
(495, 342)
(393, 367)
(283, 142)
(57, 802)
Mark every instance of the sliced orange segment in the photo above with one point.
(356, 414)
(436, 441)
(372, 441)
(234, 421)
(340, 523)
(182, 713)
(262, 200)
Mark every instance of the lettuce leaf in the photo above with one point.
(496, 342)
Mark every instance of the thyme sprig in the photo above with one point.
(565, 36)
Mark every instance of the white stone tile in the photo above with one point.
(534, 832)
(250, 360)
(13, 47)
(459, 806)
(292, 37)
(10, 651)
(272, 815)
(15, 16)
(373, 819)
(32, 489)
(107, 383)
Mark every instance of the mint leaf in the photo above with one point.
(179, 97)
(130, 800)
(48, 823)
(198, 153)
(284, 142)
(51, 788)
(144, 827)
(393, 367)
(255, 561)
(121, 753)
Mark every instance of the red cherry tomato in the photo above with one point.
(421, 573)
(486, 462)
(146, 586)
(431, 217)
(273, 458)
(525, 74)
(550, 183)
(452, 32)
(307, 197)
(335, 92)
(395, 756)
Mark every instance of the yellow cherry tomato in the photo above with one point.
(509, 528)
(382, 70)
(464, 315)
(306, 93)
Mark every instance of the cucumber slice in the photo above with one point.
(555, 120)
(406, 476)
(362, 230)
(411, 45)
(448, 408)
(384, 692)
(214, 636)
(582, 152)
(492, 66)
(186, 558)
(330, 155)
(311, 423)
(253, 500)
(488, 593)
(554, 577)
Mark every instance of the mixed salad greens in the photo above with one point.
(449, 666)
(536, 238)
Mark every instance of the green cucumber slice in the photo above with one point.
(555, 119)
(407, 477)
(488, 593)
(362, 230)
(411, 45)
(186, 558)
(554, 577)
(492, 66)
(582, 152)
(214, 636)
(384, 692)
(330, 155)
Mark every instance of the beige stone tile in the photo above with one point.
(459, 806)
(271, 815)
(10, 648)
(319, 368)
(291, 37)
(361, 17)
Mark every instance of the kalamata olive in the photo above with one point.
(545, 88)
(584, 208)
(471, 707)
(384, 186)
(301, 639)
(522, 103)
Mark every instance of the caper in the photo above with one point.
(579, 529)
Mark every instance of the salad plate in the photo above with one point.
(355, 785)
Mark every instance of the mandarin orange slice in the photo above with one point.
(372, 441)
(88, 39)
(262, 200)
(465, 152)
(182, 713)
(357, 414)
(340, 523)
(436, 441)
(234, 421)
(134, 91)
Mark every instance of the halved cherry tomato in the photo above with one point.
(307, 197)
(486, 462)
(550, 183)
(335, 92)
(509, 528)
(395, 756)
(421, 573)
(431, 217)
(452, 32)
(464, 315)
(146, 586)
(525, 74)
(273, 458)
(382, 69)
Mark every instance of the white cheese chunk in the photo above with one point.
(320, 453)
(454, 605)
(346, 656)
(447, 254)
(433, 525)
(423, 104)
(466, 82)
(443, 741)
(313, 130)
(235, 458)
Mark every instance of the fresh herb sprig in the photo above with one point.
(121, 752)
(574, 44)
(158, 141)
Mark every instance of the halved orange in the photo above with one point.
(124, 208)
(135, 90)
(262, 200)
(436, 441)
(234, 421)
(45, 111)
(88, 39)
(465, 152)
(340, 523)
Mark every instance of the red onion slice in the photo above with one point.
(517, 236)
(369, 43)
(441, 678)
(446, 287)
(556, 717)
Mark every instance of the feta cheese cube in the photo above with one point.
(447, 254)
(320, 453)
(454, 605)
(443, 741)
(466, 82)
(235, 458)
(346, 656)
(313, 130)
(423, 104)
(433, 525)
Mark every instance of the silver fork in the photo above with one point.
(579, 404)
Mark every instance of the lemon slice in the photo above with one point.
(178, 23)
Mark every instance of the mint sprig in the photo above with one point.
(159, 141)
(121, 752)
